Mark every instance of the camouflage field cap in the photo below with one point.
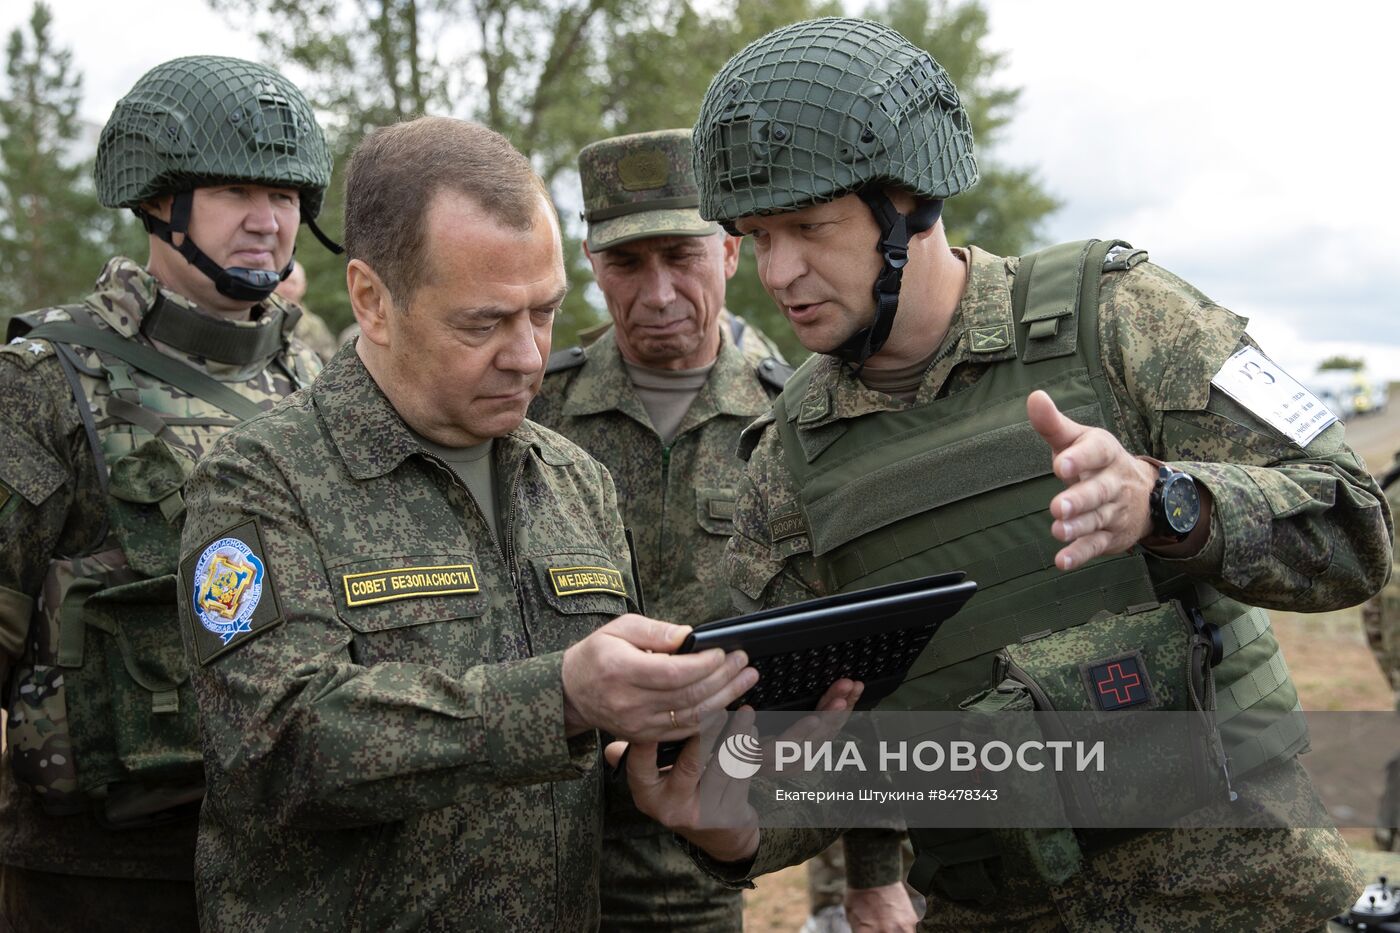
(640, 186)
(207, 120)
(821, 108)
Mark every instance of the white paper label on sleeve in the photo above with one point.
(1276, 398)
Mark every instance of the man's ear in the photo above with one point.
(731, 254)
(370, 300)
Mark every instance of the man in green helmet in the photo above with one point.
(1087, 435)
(106, 405)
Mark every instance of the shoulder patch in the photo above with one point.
(750, 436)
(774, 374)
(27, 352)
(786, 522)
(230, 592)
(563, 360)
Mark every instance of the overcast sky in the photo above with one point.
(1249, 146)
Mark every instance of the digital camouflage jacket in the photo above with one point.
(677, 500)
(378, 675)
(57, 525)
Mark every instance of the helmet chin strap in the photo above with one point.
(238, 283)
(896, 230)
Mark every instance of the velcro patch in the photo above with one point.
(573, 581)
(814, 408)
(230, 591)
(1119, 683)
(787, 524)
(989, 339)
(722, 509)
(381, 586)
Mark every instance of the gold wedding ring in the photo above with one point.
(674, 724)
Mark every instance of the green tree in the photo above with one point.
(554, 75)
(54, 236)
(1342, 362)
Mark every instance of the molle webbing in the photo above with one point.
(149, 360)
(1036, 604)
(1001, 457)
(201, 335)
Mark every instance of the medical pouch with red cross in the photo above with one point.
(1140, 681)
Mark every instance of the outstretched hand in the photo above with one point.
(1104, 507)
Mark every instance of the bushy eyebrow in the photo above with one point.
(487, 313)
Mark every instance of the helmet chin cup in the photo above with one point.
(246, 284)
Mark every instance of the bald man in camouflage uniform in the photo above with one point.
(106, 405)
(663, 412)
(924, 440)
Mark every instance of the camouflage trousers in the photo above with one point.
(1388, 823)
(1380, 619)
(46, 902)
(649, 883)
(1201, 880)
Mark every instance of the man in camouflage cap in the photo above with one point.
(406, 606)
(1068, 433)
(107, 404)
(660, 398)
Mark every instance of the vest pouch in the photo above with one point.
(1113, 673)
(146, 506)
(132, 713)
(966, 864)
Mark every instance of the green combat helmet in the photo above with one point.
(640, 186)
(206, 120)
(828, 107)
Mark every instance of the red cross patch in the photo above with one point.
(1118, 683)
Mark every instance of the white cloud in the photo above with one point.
(1247, 145)
(115, 43)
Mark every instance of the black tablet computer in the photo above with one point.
(871, 635)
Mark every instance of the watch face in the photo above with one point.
(1181, 501)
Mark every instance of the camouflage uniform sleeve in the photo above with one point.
(770, 564)
(304, 732)
(44, 469)
(763, 571)
(1291, 528)
(873, 857)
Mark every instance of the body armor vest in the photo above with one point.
(964, 483)
(100, 706)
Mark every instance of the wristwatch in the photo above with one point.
(1175, 503)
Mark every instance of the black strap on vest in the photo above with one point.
(70, 366)
(896, 230)
(213, 339)
(151, 361)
